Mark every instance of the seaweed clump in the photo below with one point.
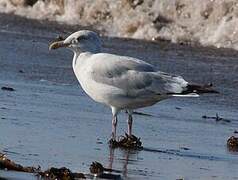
(61, 173)
(98, 170)
(52, 173)
(8, 164)
(127, 142)
(232, 143)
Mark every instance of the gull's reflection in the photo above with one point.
(111, 157)
(128, 156)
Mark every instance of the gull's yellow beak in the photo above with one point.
(58, 44)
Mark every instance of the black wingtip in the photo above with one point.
(200, 89)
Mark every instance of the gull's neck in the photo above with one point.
(75, 59)
(77, 56)
(85, 50)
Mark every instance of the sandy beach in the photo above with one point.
(49, 121)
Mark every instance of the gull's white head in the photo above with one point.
(80, 41)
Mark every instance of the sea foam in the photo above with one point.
(207, 22)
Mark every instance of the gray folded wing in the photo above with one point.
(134, 77)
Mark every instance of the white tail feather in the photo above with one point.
(186, 95)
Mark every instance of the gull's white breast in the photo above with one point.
(102, 93)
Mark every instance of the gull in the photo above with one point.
(122, 82)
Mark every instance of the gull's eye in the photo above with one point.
(80, 38)
(74, 41)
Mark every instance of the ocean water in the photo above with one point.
(207, 22)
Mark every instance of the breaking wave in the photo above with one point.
(208, 22)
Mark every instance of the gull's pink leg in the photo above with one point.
(129, 122)
(114, 127)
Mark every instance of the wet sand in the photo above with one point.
(49, 121)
